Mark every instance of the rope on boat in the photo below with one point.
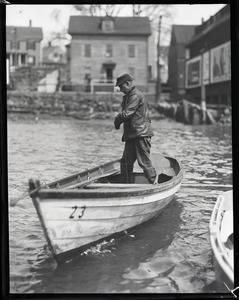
(14, 202)
(24, 194)
(34, 187)
(34, 191)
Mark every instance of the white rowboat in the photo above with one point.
(89, 206)
(221, 238)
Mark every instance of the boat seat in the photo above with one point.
(169, 172)
(226, 226)
(160, 161)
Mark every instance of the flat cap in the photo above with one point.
(123, 78)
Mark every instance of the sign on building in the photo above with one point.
(221, 63)
(193, 72)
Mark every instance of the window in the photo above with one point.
(187, 53)
(87, 50)
(23, 59)
(108, 25)
(109, 51)
(131, 51)
(14, 59)
(31, 46)
(14, 45)
(31, 60)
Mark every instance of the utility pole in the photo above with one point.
(203, 92)
(15, 46)
(158, 83)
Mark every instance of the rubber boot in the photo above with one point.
(150, 174)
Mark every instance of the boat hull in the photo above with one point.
(221, 229)
(78, 222)
(72, 220)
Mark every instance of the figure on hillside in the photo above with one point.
(87, 82)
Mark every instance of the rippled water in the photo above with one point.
(169, 254)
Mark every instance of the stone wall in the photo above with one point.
(106, 105)
(79, 105)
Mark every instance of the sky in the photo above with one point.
(42, 15)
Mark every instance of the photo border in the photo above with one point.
(4, 174)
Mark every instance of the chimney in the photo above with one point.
(30, 23)
(202, 20)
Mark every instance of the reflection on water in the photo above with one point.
(169, 254)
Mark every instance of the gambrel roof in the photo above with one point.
(23, 33)
(87, 25)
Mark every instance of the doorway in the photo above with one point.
(108, 70)
(109, 74)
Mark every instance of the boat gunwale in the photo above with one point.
(129, 190)
(107, 193)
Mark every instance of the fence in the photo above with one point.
(103, 86)
(99, 85)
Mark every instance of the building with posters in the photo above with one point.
(208, 64)
(180, 36)
(103, 48)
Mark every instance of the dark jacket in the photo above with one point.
(135, 116)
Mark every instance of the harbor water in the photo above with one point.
(168, 254)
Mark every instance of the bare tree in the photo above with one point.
(61, 34)
(99, 10)
(156, 13)
(152, 10)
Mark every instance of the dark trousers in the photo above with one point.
(137, 148)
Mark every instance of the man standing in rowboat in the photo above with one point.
(137, 130)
